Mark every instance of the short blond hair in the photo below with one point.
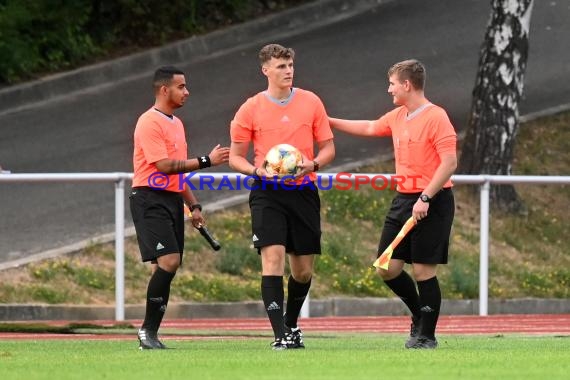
(412, 70)
(274, 51)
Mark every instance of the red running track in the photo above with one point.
(526, 324)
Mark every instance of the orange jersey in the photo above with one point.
(419, 142)
(300, 121)
(157, 137)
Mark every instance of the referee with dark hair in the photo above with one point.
(158, 196)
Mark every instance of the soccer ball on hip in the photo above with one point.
(282, 160)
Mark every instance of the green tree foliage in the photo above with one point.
(42, 36)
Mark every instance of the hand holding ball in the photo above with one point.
(283, 160)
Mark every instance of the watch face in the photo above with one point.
(424, 198)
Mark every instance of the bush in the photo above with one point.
(36, 36)
(39, 36)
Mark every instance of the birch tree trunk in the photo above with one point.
(494, 119)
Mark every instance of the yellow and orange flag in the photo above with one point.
(187, 212)
(384, 260)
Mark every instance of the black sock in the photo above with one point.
(296, 294)
(403, 286)
(430, 300)
(272, 294)
(157, 295)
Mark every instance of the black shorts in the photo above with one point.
(288, 217)
(159, 222)
(428, 241)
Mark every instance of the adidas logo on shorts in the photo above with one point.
(273, 306)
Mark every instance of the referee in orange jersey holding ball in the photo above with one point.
(285, 218)
(160, 155)
(424, 144)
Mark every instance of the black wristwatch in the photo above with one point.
(316, 166)
(196, 206)
(425, 198)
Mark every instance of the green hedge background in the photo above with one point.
(38, 37)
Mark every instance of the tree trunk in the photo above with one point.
(494, 119)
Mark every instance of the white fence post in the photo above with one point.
(484, 249)
(305, 312)
(120, 250)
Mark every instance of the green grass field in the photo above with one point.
(339, 356)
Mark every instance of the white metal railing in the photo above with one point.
(485, 182)
(119, 178)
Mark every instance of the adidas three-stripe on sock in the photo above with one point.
(272, 294)
(430, 301)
